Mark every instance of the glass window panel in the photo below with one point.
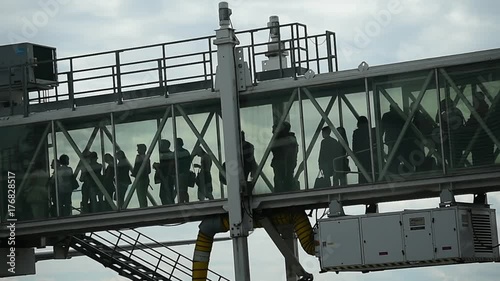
(24, 161)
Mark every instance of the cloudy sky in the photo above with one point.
(377, 32)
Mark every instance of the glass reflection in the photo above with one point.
(25, 192)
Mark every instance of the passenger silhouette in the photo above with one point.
(123, 169)
(53, 203)
(452, 125)
(165, 173)
(483, 147)
(96, 196)
(184, 163)
(142, 181)
(330, 150)
(248, 157)
(361, 147)
(284, 150)
(425, 125)
(341, 163)
(204, 178)
(108, 179)
(248, 161)
(37, 192)
(391, 127)
(66, 183)
(86, 185)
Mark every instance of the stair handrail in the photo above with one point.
(159, 271)
(175, 263)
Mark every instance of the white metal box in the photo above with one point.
(457, 234)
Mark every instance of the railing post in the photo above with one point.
(160, 74)
(116, 244)
(329, 51)
(158, 264)
(118, 79)
(71, 91)
(135, 244)
(175, 266)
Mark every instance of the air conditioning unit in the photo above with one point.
(26, 62)
(463, 233)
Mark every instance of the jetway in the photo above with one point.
(112, 101)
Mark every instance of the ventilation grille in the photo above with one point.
(481, 225)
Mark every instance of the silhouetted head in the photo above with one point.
(141, 149)
(342, 132)
(180, 143)
(164, 145)
(108, 158)
(93, 156)
(326, 131)
(64, 160)
(120, 155)
(285, 128)
(242, 136)
(362, 121)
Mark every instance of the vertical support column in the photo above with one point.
(370, 131)
(226, 41)
(378, 133)
(176, 150)
(303, 142)
(288, 235)
(115, 161)
(118, 79)
(441, 134)
(219, 151)
(56, 178)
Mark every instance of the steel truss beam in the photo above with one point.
(32, 161)
(339, 137)
(494, 102)
(315, 137)
(287, 253)
(116, 147)
(87, 166)
(470, 107)
(282, 119)
(149, 152)
(87, 147)
(392, 153)
(432, 149)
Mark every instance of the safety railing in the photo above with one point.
(166, 68)
(162, 259)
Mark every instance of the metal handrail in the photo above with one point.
(111, 77)
(174, 263)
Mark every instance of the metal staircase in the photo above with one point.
(136, 256)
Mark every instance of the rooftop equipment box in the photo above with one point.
(412, 238)
(39, 60)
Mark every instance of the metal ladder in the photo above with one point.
(136, 256)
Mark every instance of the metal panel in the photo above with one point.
(465, 233)
(339, 242)
(445, 233)
(382, 239)
(417, 230)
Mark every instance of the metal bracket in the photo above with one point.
(336, 209)
(243, 78)
(447, 198)
(285, 250)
